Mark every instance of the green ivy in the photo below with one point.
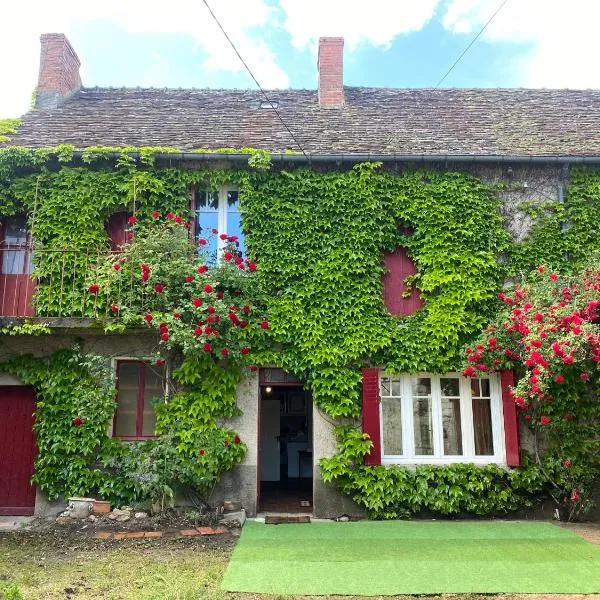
(8, 127)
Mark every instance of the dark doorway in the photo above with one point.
(285, 449)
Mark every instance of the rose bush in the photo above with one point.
(548, 329)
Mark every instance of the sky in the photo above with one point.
(389, 43)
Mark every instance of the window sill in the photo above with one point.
(447, 460)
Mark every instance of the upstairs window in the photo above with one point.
(138, 383)
(430, 418)
(15, 247)
(218, 210)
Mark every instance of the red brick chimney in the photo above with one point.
(59, 71)
(331, 72)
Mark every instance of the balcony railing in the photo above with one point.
(46, 282)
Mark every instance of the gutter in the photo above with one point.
(358, 158)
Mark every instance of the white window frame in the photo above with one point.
(466, 415)
(221, 212)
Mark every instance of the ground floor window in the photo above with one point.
(138, 384)
(428, 418)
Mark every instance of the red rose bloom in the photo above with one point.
(211, 309)
(553, 276)
(254, 368)
(469, 372)
(206, 347)
(264, 324)
(160, 362)
(208, 288)
(239, 260)
(155, 214)
(117, 267)
(215, 231)
(232, 238)
(197, 331)
(223, 236)
(224, 352)
(545, 420)
(245, 350)
(202, 242)
(189, 278)
(94, 288)
(132, 220)
(252, 265)
(148, 317)
(201, 452)
(114, 307)
(559, 379)
(540, 269)
(245, 309)
(567, 463)
(584, 376)
(178, 219)
(170, 216)
(77, 421)
(164, 337)
(177, 315)
(159, 288)
(237, 439)
(197, 302)
(202, 269)
(227, 255)
(219, 295)
(575, 495)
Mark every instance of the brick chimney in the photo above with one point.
(331, 72)
(59, 71)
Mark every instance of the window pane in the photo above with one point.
(485, 388)
(475, 391)
(207, 201)
(152, 390)
(15, 231)
(421, 386)
(423, 432)
(451, 426)
(395, 387)
(207, 221)
(386, 389)
(234, 218)
(15, 262)
(127, 386)
(482, 426)
(392, 426)
(450, 386)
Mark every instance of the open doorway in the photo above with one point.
(285, 447)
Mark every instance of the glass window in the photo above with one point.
(138, 384)
(391, 411)
(16, 254)
(218, 210)
(440, 418)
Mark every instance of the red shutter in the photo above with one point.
(511, 421)
(399, 266)
(370, 413)
(116, 227)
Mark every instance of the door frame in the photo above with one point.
(268, 377)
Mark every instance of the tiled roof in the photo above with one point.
(374, 120)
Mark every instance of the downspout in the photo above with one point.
(562, 179)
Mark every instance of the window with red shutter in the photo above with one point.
(398, 299)
(116, 228)
(370, 413)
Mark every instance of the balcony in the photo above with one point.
(56, 289)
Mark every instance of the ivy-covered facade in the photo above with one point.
(283, 329)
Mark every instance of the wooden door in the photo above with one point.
(17, 450)
(16, 285)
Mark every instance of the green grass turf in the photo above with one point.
(412, 557)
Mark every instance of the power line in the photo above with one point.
(267, 99)
(472, 42)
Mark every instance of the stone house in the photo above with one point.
(500, 135)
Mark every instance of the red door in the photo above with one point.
(16, 285)
(17, 450)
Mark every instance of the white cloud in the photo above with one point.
(563, 37)
(19, 43)
(376, 22)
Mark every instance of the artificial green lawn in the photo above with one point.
(412, 557)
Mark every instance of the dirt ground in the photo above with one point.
(51, 562)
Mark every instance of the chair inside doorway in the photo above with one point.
(285, 444)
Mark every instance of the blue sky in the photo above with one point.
(396, 43)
